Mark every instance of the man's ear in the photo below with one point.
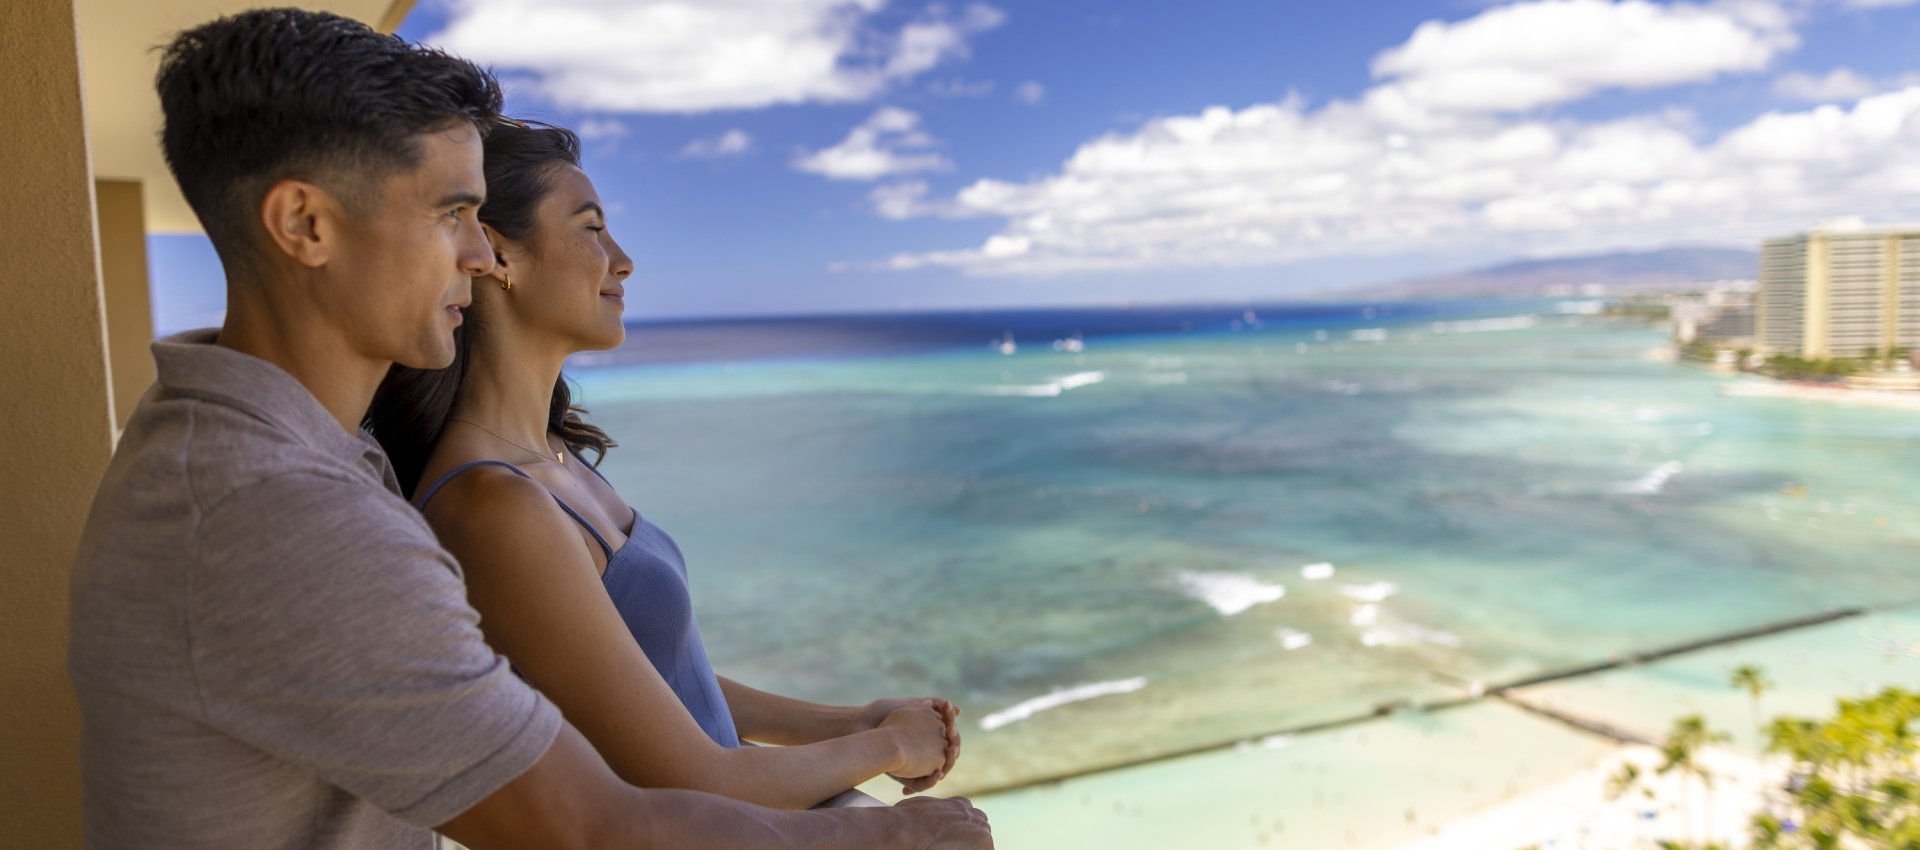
(301, 221)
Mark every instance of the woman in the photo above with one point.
(586, 596)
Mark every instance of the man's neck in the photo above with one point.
(317, 356)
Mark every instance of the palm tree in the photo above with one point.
(1750, 678)
(1626, 781)
(1753, 680)
(1680, 753)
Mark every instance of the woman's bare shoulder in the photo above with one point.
(499, 506)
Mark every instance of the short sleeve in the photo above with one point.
(330, 630)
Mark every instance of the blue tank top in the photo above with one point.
(647, 580)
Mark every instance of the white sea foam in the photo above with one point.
(1056, 387)
(1080, 379)
(1059, 697)
(1369, 335)
(1229, 593)
(1316, 572)
(1436, 636)
(1652, 483)
(1365, 615)
(1510, 323)
(1406, 633)
(1375, 592)
(1167, 378)
(1291, 639)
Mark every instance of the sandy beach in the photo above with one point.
(1818, 392)
(1573, 812)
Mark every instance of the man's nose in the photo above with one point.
(476, 253)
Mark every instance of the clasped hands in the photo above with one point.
(932, 739)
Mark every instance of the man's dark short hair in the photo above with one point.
(276, 94)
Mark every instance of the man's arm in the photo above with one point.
(571, 799)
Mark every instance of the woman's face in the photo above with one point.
(572, 271)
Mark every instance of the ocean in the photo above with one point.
(1118, 533)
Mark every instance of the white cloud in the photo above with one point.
(901, 200)
(1278, 182)
(1030, 93)
(730, 143)
(889, 142)
(1527, 55)
(1285, 181)
(688, 56)
(1839, 84)
(601, 129)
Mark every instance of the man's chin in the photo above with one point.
(439, 358)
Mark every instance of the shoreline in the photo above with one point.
(1573, 811)
(1773, 388)
(1475, 692)
(1428, 784)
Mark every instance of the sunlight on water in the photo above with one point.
(1026, 533)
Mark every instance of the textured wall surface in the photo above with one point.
(123, 276)
(56, 415)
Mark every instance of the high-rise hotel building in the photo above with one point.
(1839, 292)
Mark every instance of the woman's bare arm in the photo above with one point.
(541, 604)
(774, 719)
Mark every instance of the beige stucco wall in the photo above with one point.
(57, 424)
(123, 277)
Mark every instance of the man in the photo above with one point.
(270, 648)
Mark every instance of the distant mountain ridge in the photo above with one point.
(1618, 273)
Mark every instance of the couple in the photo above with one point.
(273, 648)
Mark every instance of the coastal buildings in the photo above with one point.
(1722, 316)
(1841, 290)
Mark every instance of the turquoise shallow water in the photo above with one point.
(1494, 500)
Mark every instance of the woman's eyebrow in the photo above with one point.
(591, 206)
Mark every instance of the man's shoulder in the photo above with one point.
(187, 448)
(193, 479)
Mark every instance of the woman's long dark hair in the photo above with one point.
(412, 405)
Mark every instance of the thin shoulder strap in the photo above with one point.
(421, 503)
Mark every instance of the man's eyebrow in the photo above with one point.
(467, 199)
(591, 206)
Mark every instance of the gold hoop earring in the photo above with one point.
(506, 285)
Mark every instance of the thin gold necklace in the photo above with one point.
(558, 457)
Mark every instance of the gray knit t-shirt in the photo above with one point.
(270, 648)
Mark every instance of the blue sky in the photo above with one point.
(820, 156)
